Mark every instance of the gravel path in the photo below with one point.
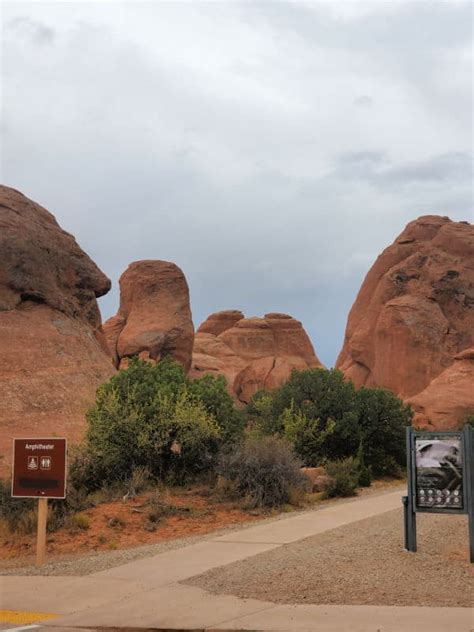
(362, 563)
(93, 562)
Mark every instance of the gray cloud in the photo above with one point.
(421, 26)
(443, 168)
(38, 33)
(363, 101)
(362, 165)
(377, 169)
(229, 142)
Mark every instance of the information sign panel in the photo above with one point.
(39, 468)
(438, 477)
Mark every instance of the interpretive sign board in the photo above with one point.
(439, 472)
(39, 468)
(440, 478)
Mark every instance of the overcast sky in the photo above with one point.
(270, 149)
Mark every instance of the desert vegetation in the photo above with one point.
(151, 426)
(326, 419)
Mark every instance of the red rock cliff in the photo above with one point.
(54, 353)
(449, 398)
(415, 310)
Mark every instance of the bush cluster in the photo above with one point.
(151, 423)
(265, 471)
(326, 418)
(153, 420)
(343, 477)
(153, 417)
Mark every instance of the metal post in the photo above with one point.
(408, 509)
(411, 526)
(468, 466)
(41, 531)
(406, 537)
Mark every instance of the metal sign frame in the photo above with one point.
(410, 504)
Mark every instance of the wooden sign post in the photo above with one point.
(41, 531)
(39, 471)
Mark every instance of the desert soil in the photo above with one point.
(122, 525)
(101, 546)
(361, 563)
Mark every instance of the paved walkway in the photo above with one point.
(147, 593)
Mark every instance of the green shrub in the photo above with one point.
(198, 434)
(326, 396)
(343, 477)
(173, 436)
(365, 471)
(317, 392)
(321, 402)
(78, 522)
(365, 476)
(308, 436)
(152, 418)
(212, 392)
(383, 418)
(260, 415)
(266, 472)
(325, 418)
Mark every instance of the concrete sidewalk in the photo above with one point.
(146, 593)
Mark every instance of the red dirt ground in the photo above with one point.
(200, 514)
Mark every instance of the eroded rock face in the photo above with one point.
(220, 321)
(449, 398)
(42, 263)
(154, 319)
(53, 351)
(415, 310)
(252, 353)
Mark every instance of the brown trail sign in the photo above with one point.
(39, 471)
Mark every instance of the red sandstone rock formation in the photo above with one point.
(449, 398)
(220, 321)
(154, 318)
(252, 353)
(415, 310)
(53, 351)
